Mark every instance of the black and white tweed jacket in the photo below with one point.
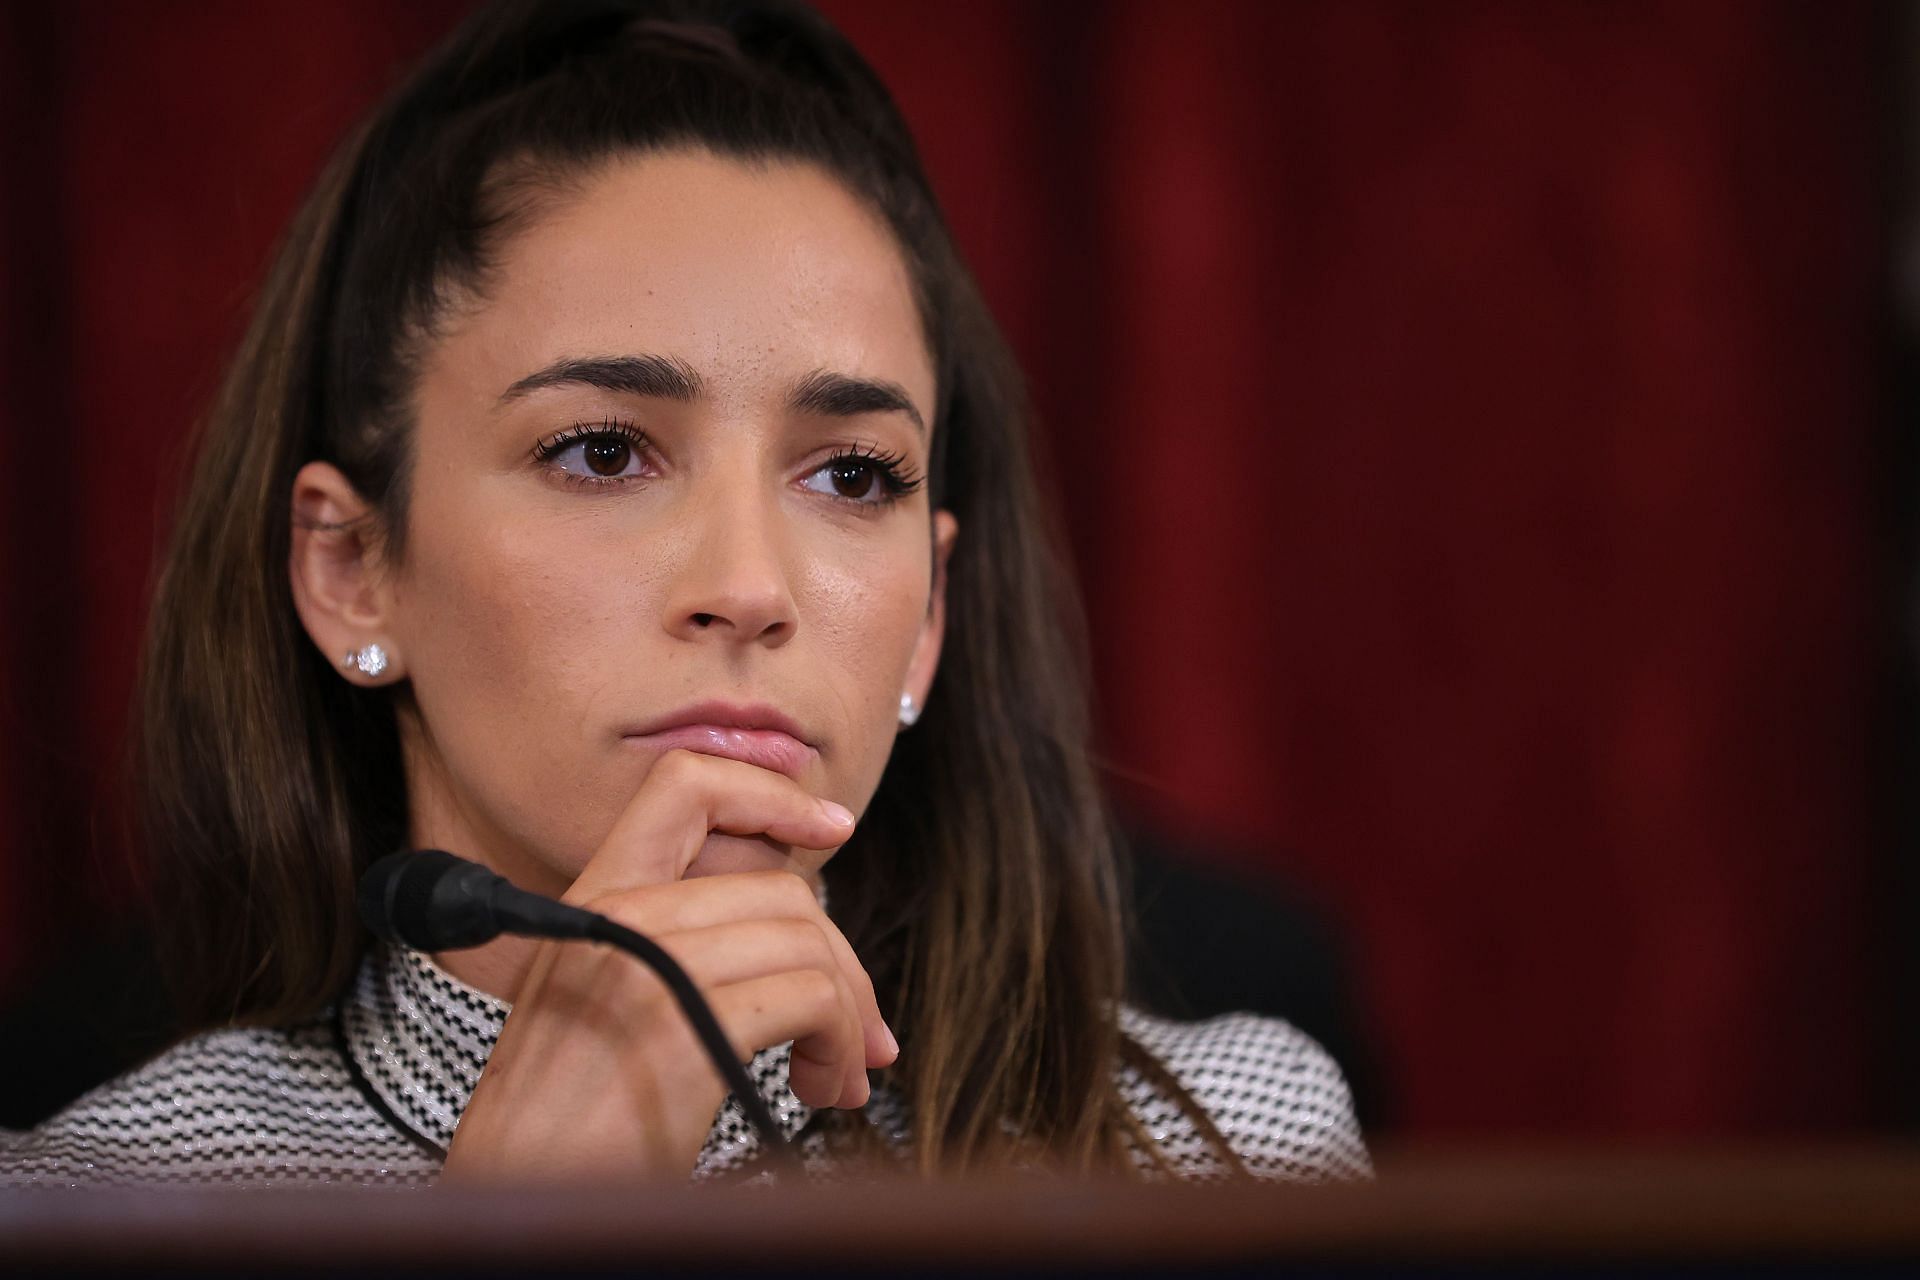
(370, 1094)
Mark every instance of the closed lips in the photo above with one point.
(756, 736)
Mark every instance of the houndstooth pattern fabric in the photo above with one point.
(370, 1096)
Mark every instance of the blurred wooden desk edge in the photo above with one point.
(1859, 1203)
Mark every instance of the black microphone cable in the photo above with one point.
(431, 900)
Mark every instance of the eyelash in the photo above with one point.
(897, 480)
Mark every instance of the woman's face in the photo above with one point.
(668, 475)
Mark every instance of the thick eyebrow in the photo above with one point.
(839, 395)
(836, 395)
(665, 377)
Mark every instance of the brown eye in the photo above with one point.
(606, 455)
(866, 477)
(596, 456)
(852, 478)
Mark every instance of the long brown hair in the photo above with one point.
(981, 888)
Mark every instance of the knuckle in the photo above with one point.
(820, 943)
(817, 990)
(796, 936)
(797, 894)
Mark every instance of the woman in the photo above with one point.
(618, 450)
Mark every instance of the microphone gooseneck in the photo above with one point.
(431, 900)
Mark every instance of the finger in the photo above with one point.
(617, 994)
(695, 906)
(685, 797)
(803, 1006)
(662, 909)
(728, 954)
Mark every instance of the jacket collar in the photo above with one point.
(419, 1038)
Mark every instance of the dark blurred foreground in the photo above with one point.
(1810, 1213)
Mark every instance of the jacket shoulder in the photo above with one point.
(1275, 1095)
(248, 1107)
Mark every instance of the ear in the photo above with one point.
(337, 572)
(933, 628)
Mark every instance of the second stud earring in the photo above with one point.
(909, 710)
(369, 660)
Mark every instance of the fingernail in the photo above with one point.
(836, 814)
(892, 1043)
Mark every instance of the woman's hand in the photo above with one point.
(597, 1072)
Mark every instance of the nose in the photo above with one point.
(733, 583)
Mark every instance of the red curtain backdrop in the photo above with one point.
(1462, 416)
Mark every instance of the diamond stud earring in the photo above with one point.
(369, 660)
(909, 710)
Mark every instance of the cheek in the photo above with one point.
(492, 606)
(516, 633)
(868, 612)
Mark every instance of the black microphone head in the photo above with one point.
(429, 900)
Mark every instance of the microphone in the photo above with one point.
(430, 900)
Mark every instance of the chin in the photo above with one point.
(724, 855)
